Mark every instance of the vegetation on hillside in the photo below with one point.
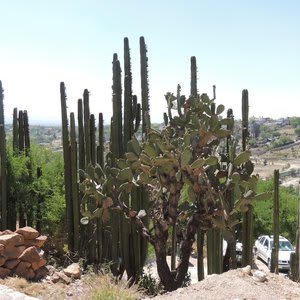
(288, 206)
(42, 194)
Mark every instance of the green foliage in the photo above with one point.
(288, 207)
(297, 131)
(48, 189)
(149, 285)
(295, 121)
(281, 141)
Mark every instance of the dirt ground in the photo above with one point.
(232, 285)
(235, 284)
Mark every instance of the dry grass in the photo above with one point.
(22, 285)
(90, 287)
(104, 287)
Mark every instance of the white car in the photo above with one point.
(263, 250)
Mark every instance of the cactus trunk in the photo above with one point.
(67, 167)
(275, 248)
(3, 169)
(74, 185)
(247, 227)
(200, 244)
(194, 90)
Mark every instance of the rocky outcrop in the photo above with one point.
(21, 253)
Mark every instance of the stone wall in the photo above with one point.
(21, 253)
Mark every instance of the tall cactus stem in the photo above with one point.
(74, 184)
(3, 160)
(194, 90)
(144, 87)
(86, 120)
(67, 166)
(200, 245)
(100, 148)
(276, 221)
(128, 105)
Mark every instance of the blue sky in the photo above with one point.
(238, 44)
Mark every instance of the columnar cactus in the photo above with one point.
(74, 184)
(144, 87)
(247, 228)
(3, 195)
(81, 139)
(194, 90)
(67, 166)
(274, 266)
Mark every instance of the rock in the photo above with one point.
(2, 260)
(4, 272)
(13, 252)
(51, 269)
(28, 233)
(11, 263)
(64, 277)
(30, 255)
(11, 239)
(259, 276)
(24, 270)
(73, 270)
(246, 270)
(55, 278)
(38, 264)
(1, 249)
(41, 273)
(7, 231)
(38, 242)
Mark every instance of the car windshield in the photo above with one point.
(284, 246)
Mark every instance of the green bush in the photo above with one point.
(288, 209)
(281, 141)
(48, 190)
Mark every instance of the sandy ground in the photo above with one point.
(235, 284)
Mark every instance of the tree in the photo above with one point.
(295, 121)
(288, 211)
(42, 194)
(297, 131)
(187, 155)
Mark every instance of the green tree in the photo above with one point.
(288, 205)
(281, 141)
(184, 156)
(45, 191)
(295, 121)
(297, 131)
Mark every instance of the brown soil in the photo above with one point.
(235, 284)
